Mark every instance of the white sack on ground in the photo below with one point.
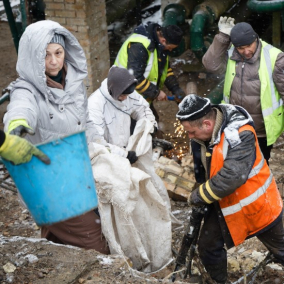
(141, 143)
(135, 219)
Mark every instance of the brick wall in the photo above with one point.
(86, 19)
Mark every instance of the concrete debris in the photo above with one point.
(9, 267)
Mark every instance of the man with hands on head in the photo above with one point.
(237, 185)
(254, 77)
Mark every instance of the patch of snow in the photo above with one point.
(13, 3)
(31, 258)
(274, 266)
(105, 260)
(156, 17)
(177, 212)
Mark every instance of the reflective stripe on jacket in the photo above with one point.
(271, 102)
(256, 203)
(151, 72)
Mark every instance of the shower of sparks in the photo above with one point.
(178, 138)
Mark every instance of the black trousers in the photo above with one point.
(214, 255)
(262, 141)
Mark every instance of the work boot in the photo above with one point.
(218, 272)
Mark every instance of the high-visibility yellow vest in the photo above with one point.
(271, 102)
(151, 71)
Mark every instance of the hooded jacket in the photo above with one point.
(50, 112)
(237, 176)
(112, 117)
(245, 89)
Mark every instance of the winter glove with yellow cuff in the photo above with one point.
(18, 150)
(20, 128)
(202, 195)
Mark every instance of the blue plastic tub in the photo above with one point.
(61, 190)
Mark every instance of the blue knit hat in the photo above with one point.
(59, 39)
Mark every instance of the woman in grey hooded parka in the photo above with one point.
(48, 101)
(48, 110)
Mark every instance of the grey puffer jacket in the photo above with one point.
(51, 112)
(245, 89)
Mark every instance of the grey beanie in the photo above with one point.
(243, 34)
(119, 80)
(59, 39)
(193, 107)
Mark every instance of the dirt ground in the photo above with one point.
(26, 259)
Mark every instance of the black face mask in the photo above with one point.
(57, 78)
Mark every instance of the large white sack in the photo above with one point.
(135, 219)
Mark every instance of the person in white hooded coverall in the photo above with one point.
(140, 192)
(49, 101)
(112, 106)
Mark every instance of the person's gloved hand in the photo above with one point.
(194, 199)
(225, 25)
(18, 150)
(20, 128)
(179, 95)
(131, 156)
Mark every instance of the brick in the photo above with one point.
(55, 6)
(65, 14)
(59, 20)
(84, 43)
(182, 193)
(164, 160)
(75, 6)
(69, 1)
(187, 184)
(178, 170)
(169, 186)
(80, 14)
(72, 28)
(188, 175)
(80, 35)
(59, 1)
(171, 178)
(160, 173)
(49, 13)
(84, 29)
(74, 21)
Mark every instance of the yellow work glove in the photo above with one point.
(19, 151)
(20, 127)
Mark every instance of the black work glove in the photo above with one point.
(195, 199)
(179, 95)
(157, 133)
(131, 156)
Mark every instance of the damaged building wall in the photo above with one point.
(86, 19)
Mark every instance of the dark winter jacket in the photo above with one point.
(137, 61)
(245, 89)
(237, 166)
